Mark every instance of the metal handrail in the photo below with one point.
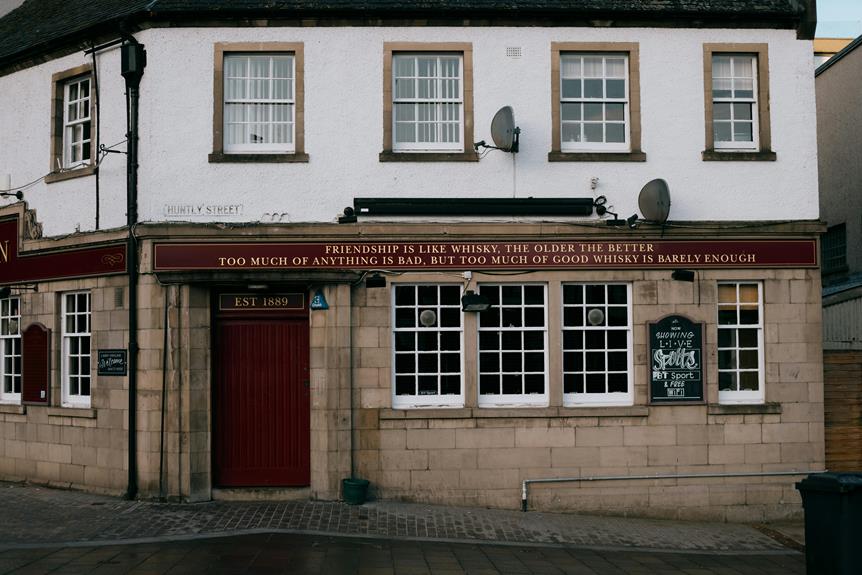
(525, 484)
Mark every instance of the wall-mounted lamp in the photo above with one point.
(683, 275)
(375, 281)
(318, 301)
(6, 291)
(632, 221)
(472, 301)
(19, 194)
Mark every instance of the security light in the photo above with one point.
(472, 301)
(375, 281)
(683, 275)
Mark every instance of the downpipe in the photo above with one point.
(133, 62)
(526, 483)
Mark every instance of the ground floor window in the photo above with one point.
(10, 348)
(513, 343)
(427, 339)
(76, 349)
(740, 342)
(597, 343)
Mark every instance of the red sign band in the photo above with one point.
(572, 254)
(66, 263)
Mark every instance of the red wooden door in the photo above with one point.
(261, 414)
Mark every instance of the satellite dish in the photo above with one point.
(503, 130)
(654, 201)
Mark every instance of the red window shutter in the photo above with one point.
(36, 368)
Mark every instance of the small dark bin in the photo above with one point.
(354, 491)
(833, 523)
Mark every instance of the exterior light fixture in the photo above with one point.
(428, 318)
(472, 301)
(318, 301)
(375, 281)
(683, 275)
(596, 316)
(632, 221)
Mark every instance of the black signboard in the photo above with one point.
(113, 362)
(676, 360)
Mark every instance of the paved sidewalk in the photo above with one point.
(38, 516)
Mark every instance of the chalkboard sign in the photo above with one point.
(676, 360)
(113, 362)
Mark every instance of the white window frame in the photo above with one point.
(742, 396)
(73, 129)
(754, 144)
(76, 399)
(608, 398)
(514, 400)
(584, 146)
(418, 401)
(439, 103)
(10, 337)
(290, 101)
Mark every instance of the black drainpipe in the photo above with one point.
(133, 62)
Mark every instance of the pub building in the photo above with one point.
(279, 283)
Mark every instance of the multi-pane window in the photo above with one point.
(259, 103)
(77, 123)
(513, 346)
(428, 102)
(597, 344)
(594, 102)
(427, 342)
(76, 348)
(740, 343)
(833, 249)
(734, 101)
(10, 348)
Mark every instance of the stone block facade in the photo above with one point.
(463, 454)
(72, 446)
(480, 456)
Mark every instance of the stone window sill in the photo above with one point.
(82, 412)
(742, 409)
(729, 156)
(70, 174)
(388, 156)
(222, 158)
(525, 412)
(636, 156)
(13, 408)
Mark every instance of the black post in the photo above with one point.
(133, 62)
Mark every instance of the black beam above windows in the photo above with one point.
(473, 206)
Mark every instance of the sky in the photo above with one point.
(839, 18)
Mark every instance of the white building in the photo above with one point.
(259, 125)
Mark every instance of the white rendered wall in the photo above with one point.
(25, 147)
(343, 129)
